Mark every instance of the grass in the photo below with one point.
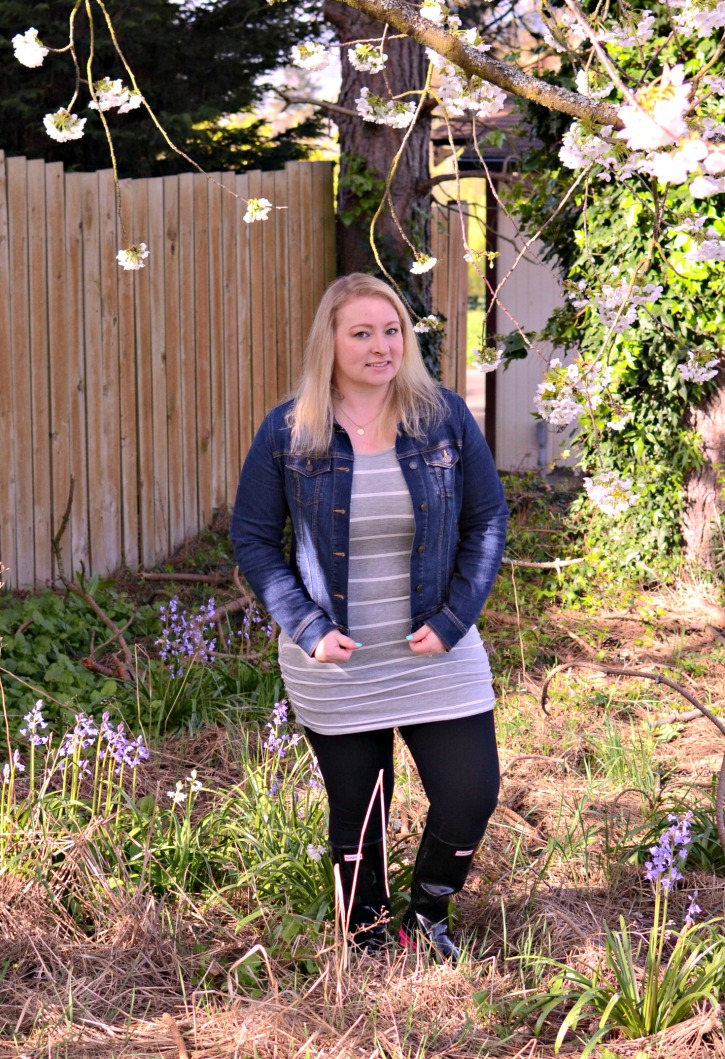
(131, 921)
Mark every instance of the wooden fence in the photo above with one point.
(146, 387)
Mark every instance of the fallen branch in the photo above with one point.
(658, 679)
(175, 1034)
(553, 564)
(212, 579)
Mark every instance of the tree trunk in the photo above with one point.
(704, 487)
(377, 146)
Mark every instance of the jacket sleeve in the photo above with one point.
(260, 513)
(482, 536)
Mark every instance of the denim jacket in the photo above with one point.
(460, 526)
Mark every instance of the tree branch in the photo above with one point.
(406, 19)
(321, 104)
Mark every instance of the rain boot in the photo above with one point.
(368, 906)
(440, 872)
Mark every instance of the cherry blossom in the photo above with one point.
(610, 493)
(109, 95)
(697, 367)
(423, 263)
(380, 111)
(257, 210)
(434, 11)
(658, 119)
(367, 58)
(132, 258)
(64, 126)
(625, 37)
(311, 56)
(428, 324)
(28, 49)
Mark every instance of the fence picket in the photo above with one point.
(146, 386)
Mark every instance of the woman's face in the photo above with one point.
(368, 345)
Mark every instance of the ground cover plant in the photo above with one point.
(164, 885)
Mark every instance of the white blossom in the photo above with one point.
(311, 56)
(178, 795)
(111, 94)
(589, 83)
(28, 49)
(674, 167)
(612, 299)
(391, 112)
(63, 126)
(610, 493)
(708, 245)
(488, 358)
(715, 84)
(559, 399)
(704, 186)
(257, 210)
(715, 161)
(427, 324)
(458, 92)
(195, 785)
(423, 263)
(658, 119)
(697, 368)
(315, 852)
(434, 11)
(620, 422)
(698, 17)
(367, 58)
(625, 37)
(132, 258)
(563, 32)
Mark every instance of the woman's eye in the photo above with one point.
(392, 331)
(361, 334)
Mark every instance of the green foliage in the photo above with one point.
(43, 641)
(625, 229)
(365, 187)
(193, 62)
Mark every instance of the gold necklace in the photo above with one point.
(360, 427)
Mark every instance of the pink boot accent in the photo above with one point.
(406, 940)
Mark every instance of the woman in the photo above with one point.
(398, 526)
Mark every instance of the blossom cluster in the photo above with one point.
(28, 48)
(423, 263)
(393, 112)
(132, 258)
(191, 785)
(34, 725)
(630, 36)
(559, 398)
(458, 92)
(64, 126)
(367, 58)
(668, 856)
(617, 304)
(698, 368)
(257, 210)
(110, 95)
(311, 56)
(488, 358)
(184, 637)
(610, 493)
(427, 324)
(279, 740)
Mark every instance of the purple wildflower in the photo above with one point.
(34, 722)
(123, 750)
(670, 853)
(693, 909)
(184, 637)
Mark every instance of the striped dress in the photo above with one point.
(384, 684)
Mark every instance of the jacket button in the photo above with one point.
(418, 588)
(420, 549)
(413, 465)
(424, 506)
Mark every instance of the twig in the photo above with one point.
(554, 564)
(175, 1035)
(118, 636)
(213, 579)
(56, 539)
(677, 718)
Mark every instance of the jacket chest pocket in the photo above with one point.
(442, 464)
(308, 475)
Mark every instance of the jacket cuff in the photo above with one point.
(446, 626)
(309, 634)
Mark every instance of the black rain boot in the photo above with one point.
(440, 872)
(370, 902)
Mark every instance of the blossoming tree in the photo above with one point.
(647, 114)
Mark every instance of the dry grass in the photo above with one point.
(128, 974)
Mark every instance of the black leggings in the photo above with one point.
(457, 762)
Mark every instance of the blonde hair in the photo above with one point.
(414, 399)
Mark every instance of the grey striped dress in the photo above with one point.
(384, 684)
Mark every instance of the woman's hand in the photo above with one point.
(334, 647)
(425, 642)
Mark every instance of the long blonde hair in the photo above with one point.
(414, 399)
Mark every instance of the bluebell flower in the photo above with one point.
(34, 723)
(184, 638)
(670, 853)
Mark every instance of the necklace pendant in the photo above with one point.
(360, 431)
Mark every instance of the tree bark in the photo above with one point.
(377, 145)
(704, 501)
